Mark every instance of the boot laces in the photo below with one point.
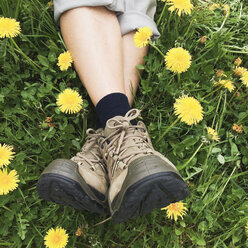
(126, 137)
(95, 159)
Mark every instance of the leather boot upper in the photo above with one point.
(90, 162)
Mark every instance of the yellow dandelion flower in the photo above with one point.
(6, 154)
(69, 101)
(9, 27)
(214, 6)
(56, 238)
(188, 109)
(237, 61)
(246, 228)
(175, 209)
(142, 37)
(212, 134)
(228, 84)
(244, 78)
(8, 181)
(237, 128)
(238, 71)
(180, 6)
(178, 60)
(226, 8)
(64, 61)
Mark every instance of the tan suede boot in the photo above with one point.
(141, 179)
(80, 182)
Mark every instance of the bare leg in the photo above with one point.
(133, 56)
(92, 35)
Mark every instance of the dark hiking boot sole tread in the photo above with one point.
(61, 183)
(155, 191)
(67, 192)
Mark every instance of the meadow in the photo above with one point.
(216, 170)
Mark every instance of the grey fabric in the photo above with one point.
(131, 14)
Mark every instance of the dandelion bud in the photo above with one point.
(237, 94)
(79, 231)
(48, 119)
(203, 39)
(226, 8)
(237, 128)
(238, 61)
(214, 6)
(219, 73)
(50, 4)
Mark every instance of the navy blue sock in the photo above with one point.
(110, 106)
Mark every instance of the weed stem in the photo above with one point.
(167, 130)
(154, 46)
(161, 15)
(235, 93)
(178, 77)
(103, 221)
(31, 62)
(217, 108)
(194, 154)
(212, 92)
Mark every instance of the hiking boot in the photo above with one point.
(79, 182)
(141, 178)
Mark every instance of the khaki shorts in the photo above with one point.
(131, 14)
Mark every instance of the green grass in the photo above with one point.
(216, 172)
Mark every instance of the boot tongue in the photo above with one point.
(114, 123)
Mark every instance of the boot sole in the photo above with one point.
(159, 187)
(61, 183)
